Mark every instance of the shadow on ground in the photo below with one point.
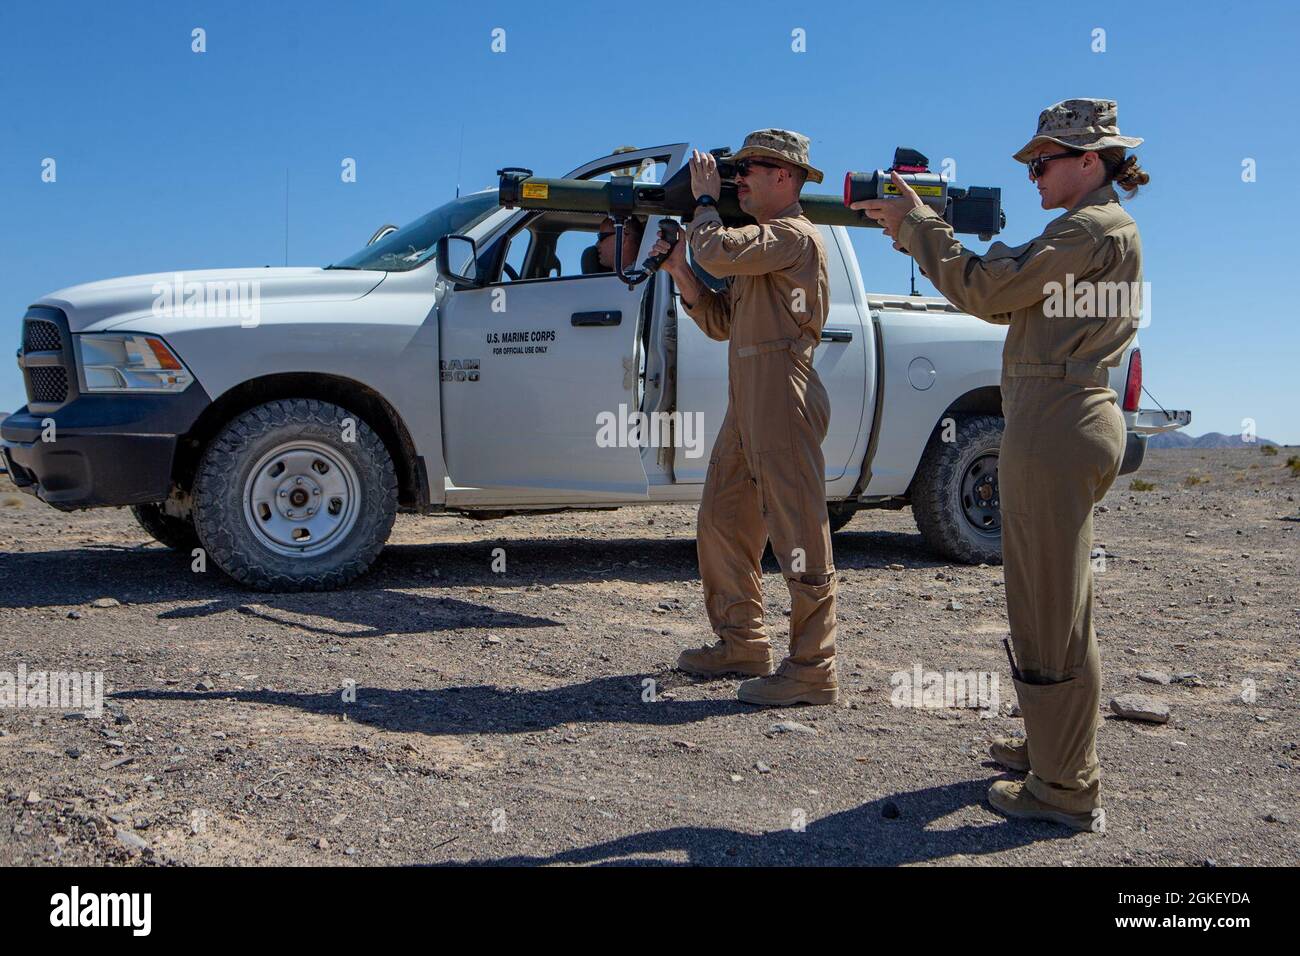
(380, 603)
(861, 836)
(890, 831)
(479, 709)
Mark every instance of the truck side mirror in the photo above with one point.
(457, 259)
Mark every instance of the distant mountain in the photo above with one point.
(1177, 439)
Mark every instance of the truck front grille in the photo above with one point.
(47, 386)
(46, 359)
(41, 336)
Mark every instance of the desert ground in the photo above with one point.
(533, 715)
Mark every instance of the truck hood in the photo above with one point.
(97, 306)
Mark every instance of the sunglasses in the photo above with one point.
(1037, 164)
(743, 166)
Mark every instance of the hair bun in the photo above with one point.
(1130, 175)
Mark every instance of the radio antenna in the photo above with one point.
(460, 158)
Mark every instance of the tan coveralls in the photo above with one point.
(766, 477)
(1061, 451)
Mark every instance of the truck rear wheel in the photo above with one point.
(295, 495)
(176, 533)
(954, 495)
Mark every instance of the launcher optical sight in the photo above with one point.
(977, 210)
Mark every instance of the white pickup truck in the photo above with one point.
(278, 418)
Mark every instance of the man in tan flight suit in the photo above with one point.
(1071, 299)
(766, 477)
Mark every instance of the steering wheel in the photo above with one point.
(509, 270)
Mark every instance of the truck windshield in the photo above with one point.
(414, 244)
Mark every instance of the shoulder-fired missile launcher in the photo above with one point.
(976, 210)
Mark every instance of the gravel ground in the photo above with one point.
(533, 715)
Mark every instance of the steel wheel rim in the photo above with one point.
(301, 498)
(980, 498)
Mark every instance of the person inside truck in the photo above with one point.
(633, 230)
(1065, 435)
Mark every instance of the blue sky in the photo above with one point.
(168, 159)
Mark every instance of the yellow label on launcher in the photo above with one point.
(893, 190)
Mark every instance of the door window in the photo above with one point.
(563, 245)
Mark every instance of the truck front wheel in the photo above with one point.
(954, 495)
(176, 533)
(295, 495)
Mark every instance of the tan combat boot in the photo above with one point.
(1011, 798)
(714, 660)
(1010, 753)
(783, 689)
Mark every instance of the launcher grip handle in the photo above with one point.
(670, 231)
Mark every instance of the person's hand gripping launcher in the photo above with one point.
(670, 231)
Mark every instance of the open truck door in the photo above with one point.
(538, 345)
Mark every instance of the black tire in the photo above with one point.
(839, 516)
(175, 533)
(311, 432)
(955, 492)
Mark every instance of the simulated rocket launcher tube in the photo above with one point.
(648, 199)
(976, 211)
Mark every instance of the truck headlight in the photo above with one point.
(126, 361)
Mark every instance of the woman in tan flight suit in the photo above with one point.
(1071, 299)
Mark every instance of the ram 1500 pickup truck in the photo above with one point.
(278, 418)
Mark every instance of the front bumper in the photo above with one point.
(99, 450)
